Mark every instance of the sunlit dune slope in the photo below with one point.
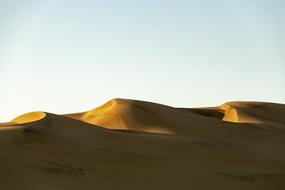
(126, 114)
(38, 120)
(244, 112)
(136, 115)
(29, 117)
(253, 112)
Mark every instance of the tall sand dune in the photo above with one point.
(130, 144)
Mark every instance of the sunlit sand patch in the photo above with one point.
(6, 124)
(230, 114)
(159, 130)
(236, 115)
(29, 117)
(8, 128)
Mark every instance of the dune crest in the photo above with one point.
(134, 115)
(103, 116)
(243, 112)
(123, 114)
(253, 112)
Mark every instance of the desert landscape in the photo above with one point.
(142, 95)
(132, 144)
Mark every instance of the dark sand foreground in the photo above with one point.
(135, 145)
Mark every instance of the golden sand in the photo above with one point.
(130, 144)
(29, 117)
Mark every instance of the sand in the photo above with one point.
(130, 144)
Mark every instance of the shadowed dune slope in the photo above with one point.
(130, 144)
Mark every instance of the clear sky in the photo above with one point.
(73, 55)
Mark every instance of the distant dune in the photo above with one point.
(131, 144)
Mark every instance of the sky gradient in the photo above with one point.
(71, 56)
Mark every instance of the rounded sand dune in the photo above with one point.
(124, 114)
(253, 112)
(29, 117)
(243, 112)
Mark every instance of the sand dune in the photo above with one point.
(29, 117)
(130, 144)
(253, 112)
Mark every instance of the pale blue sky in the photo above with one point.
(70, 56)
